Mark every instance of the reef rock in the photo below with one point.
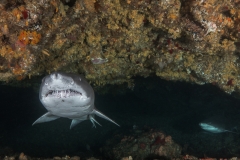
(142, 145)
(112, 41)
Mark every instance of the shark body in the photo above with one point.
(70, 96)
(213, 129)
(218, 124)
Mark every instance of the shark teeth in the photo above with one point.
(63, 93)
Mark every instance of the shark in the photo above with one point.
(70, 96)
(217, 124)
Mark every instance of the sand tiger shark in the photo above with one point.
(217, 124)
(70, 96)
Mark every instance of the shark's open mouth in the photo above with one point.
(63, 93)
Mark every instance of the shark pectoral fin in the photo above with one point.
(99, 114)
(94, 121)
(75, 122)
(45, 118)
(78, 120)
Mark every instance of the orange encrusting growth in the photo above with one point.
(29, 37)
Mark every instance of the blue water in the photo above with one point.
(173, 107)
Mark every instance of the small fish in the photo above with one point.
(70, 96)
(99, 60)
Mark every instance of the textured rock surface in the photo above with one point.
(112, 41)
(142, 145)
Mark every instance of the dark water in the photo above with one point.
(173, 107)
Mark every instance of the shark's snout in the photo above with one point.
(56, 75)
(58, 81)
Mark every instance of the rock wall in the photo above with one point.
(110, 41)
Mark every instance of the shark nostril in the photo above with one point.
(54, 76)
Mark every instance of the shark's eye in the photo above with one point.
(46, 83)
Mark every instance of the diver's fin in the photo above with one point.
(75, 122)
(94, 121)
(46, 118)
(99, 114)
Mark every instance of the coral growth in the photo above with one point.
(142, 145)
(29, 37)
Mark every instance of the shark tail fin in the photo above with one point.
(99, 114)
(231, 131)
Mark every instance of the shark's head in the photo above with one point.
(64, 87)
(70, 96)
